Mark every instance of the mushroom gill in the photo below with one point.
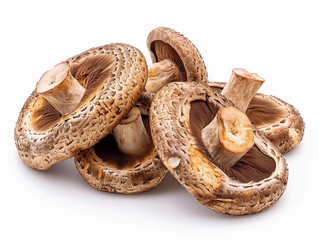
(262, 110)
(91, 73)
(265, 113)
(162, 51)
(253, 166)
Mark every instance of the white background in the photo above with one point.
(277, 39)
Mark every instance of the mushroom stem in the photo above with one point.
(162, 73)
(242, 87)
(60, 88)
(229, 136)
(130, 134)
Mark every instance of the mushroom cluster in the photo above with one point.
(128, 125)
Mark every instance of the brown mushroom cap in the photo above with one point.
(178, 114)
(105, 168)
(278, 120)
(165, 43)
(113, 75)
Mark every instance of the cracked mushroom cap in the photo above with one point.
(112, 76)
(278, 120)
(165, 43)
(106, 168)
(178, 114)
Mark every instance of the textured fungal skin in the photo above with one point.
(287, 127)
(192, 61)
(146, 173)
(177, 148)
(88, 123)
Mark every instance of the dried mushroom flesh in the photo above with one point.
(279, 121)
(256, 181)
(87, 107)
(125, 161)
(175, 59)
(113, 77)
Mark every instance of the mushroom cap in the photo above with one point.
(114, 76)
(279, 121)
(165, 43)
(178, 113)
(105, 168)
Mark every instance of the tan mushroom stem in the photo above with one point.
(130, 134)
(162, 73)
(60, 88)
(242, 87)
(229, 135)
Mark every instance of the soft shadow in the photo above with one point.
(169, 185)
(296, 151)
(167, 194)
(66, 171)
